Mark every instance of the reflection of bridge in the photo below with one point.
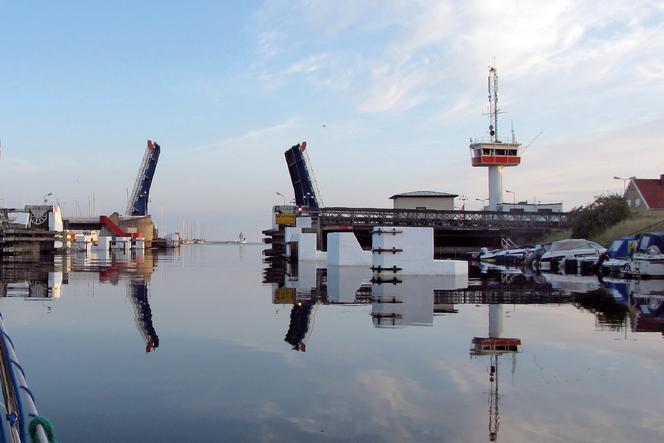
(138, 292)
(452, 228)
(504, 294)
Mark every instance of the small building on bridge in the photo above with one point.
(441, 201)
(530, 207)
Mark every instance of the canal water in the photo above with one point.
(198, 345)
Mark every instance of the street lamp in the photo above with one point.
(482, 200)
(283, 198)
(624, 181)
(514, 197)
(46, 201)
(463, 199)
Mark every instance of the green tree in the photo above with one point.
(594, 218)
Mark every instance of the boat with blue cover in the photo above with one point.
(617, 256)
(647, 261)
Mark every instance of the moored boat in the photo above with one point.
(648, 259)
(571, 251)
(509, 255)
(617, 256)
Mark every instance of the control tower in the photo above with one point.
(494, 153)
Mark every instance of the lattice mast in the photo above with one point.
(493, 104)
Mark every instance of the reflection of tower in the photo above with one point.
(493, 153)
(138, 291)
(494, 346)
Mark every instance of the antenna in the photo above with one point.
(524, 149)
(493, 103)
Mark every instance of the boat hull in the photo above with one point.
(646, 265)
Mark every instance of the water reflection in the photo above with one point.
(414, 300)
(421, 360)
(646, 305)
(138, 294)
(618, 305)
(494, 346)
(302, 320)
(42, 280)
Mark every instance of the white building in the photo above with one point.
(441, 201)
(530, 207)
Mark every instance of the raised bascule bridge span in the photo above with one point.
(454, 231)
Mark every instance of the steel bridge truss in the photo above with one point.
(453, 220)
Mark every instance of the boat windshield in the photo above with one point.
(616, 245)
(567, 245)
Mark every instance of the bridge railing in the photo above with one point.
(462, 220)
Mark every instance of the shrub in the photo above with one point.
(606, 211)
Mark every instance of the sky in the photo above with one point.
(386, 93)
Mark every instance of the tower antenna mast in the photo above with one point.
(493, 153)
(493, 103)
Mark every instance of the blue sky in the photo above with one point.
(386, 94)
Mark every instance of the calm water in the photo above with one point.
(240, 360)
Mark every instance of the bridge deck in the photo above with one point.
(454, 220)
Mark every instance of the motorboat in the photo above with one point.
(563, 255)
(572, 283)
(648, 259)
(532, 258)
(617, 256)
(509, 255)
(173, 240)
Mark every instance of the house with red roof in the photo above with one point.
(645, 196)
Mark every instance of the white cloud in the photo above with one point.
(309, 64)
(403, 54)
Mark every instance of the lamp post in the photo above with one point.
(514, 198)
(624, 181)
(46, 201)
(283, 198)
(482, 200)
(463, 199)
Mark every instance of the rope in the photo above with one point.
(17, 420)
(19, 402)
(10, 339)
(44, 423)
(3, 437)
